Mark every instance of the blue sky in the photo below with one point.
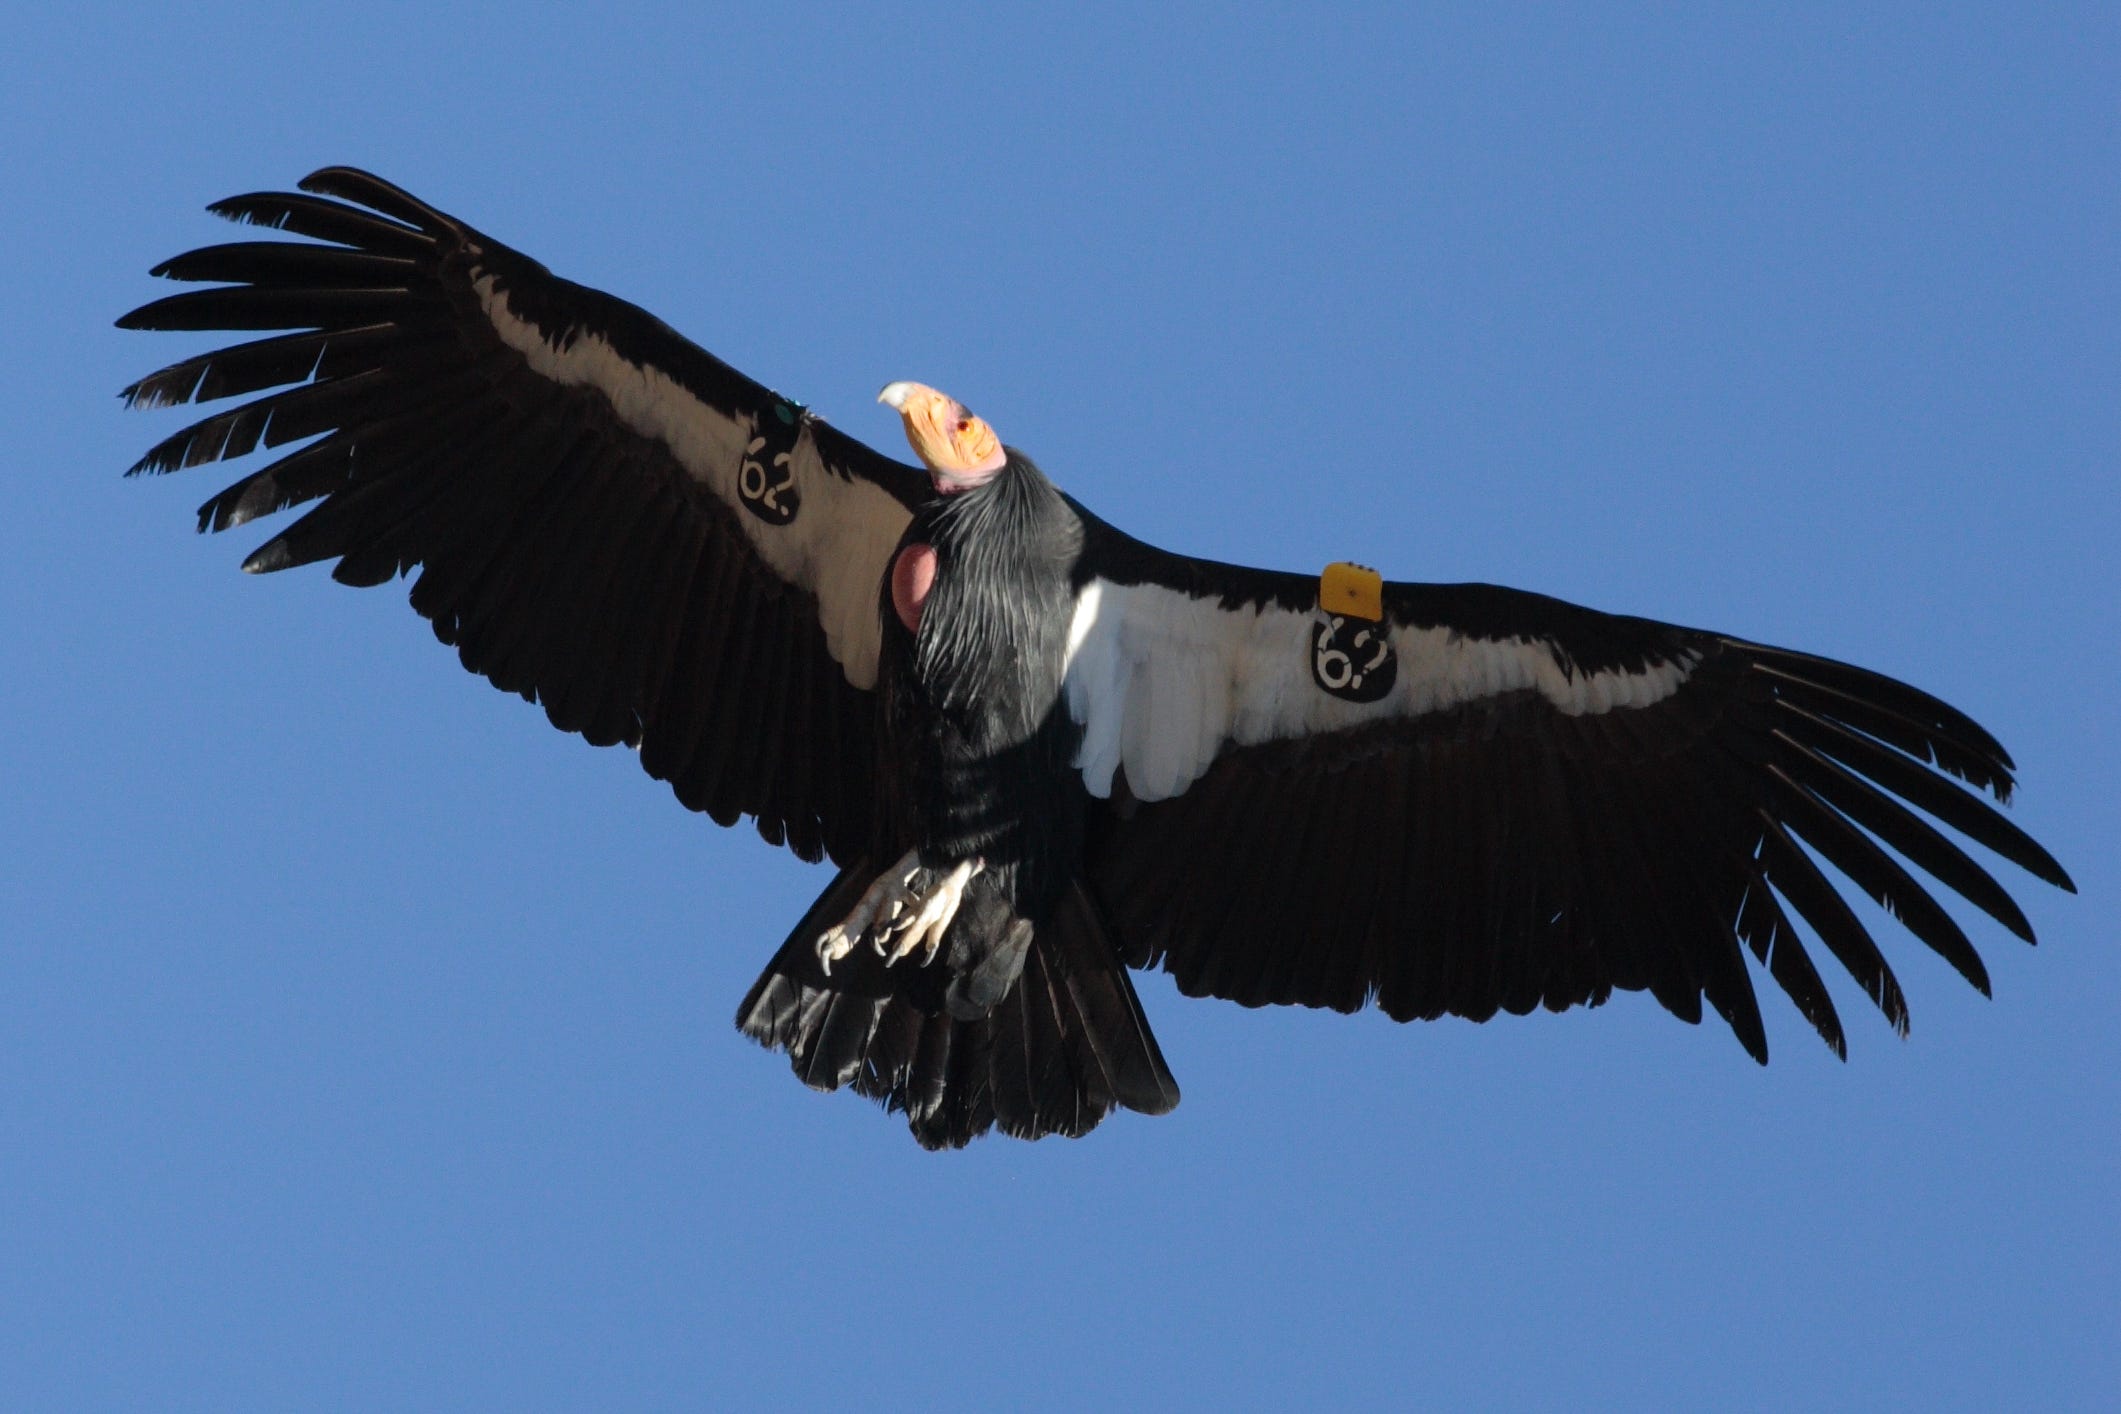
(365, 1043)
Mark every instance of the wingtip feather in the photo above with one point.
(271, 556)
(369, 190)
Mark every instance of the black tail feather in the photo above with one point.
(1066, 1046)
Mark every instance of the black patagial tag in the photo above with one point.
(1352, 659)
(766, 481)
(1351, 646)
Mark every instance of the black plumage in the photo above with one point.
(1435, 799)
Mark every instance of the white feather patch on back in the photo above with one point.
(1161, 682)
(839, 543)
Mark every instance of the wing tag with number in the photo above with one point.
(1351, 646)
(766, 481)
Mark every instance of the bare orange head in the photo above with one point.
(959, 449)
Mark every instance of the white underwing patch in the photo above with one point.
(1161, 682)
(837, 548)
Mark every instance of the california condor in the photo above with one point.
(1040, 751)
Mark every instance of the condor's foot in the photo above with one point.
(925, 928)
(896, 917)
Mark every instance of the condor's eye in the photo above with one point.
(964, 423)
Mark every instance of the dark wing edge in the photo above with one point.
(1602, 803)
(568, 474)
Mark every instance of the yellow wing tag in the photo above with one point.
(1351, 647)
(1354, 590)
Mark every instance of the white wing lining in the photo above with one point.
(1162, 681)
(839, 545)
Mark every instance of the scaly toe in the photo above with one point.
(832, 945)
(887, 891)
(925, 929)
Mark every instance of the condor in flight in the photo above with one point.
(1040, 751)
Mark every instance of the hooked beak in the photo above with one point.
(959, 449)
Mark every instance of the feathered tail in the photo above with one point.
(1065, 1046)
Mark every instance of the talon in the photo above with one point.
(832, 945)
(896, 920)
(887, 891)
(937, 910)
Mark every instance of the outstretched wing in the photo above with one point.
(1464, 799)
(608, 519)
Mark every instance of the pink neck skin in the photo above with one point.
(949, 483)
(912, 576)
